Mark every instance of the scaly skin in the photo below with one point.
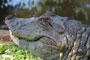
(49, 35)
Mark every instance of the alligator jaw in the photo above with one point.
(37, 46)
(19, 38)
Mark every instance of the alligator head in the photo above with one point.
(49, 35)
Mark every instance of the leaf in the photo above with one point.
(3, 49)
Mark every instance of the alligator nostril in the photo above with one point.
(9, 17)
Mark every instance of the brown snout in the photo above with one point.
(9, 17)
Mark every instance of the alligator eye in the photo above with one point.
(44, 22)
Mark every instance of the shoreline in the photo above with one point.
(4, 35)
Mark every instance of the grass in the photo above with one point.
(9, 51)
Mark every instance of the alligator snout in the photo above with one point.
(9, 17)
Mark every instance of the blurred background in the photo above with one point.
(76, 9)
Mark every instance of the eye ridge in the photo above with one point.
(44, 22)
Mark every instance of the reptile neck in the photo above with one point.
(78, 45)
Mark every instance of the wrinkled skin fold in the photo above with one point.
(49, 35)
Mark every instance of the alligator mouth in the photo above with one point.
(33, 40)
(29, 40)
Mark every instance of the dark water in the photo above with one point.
(76, 9)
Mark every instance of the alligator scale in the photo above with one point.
(49, 35)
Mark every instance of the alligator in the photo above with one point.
(51, 37)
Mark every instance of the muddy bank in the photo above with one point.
(4, 35)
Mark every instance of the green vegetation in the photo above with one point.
(13, 52)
